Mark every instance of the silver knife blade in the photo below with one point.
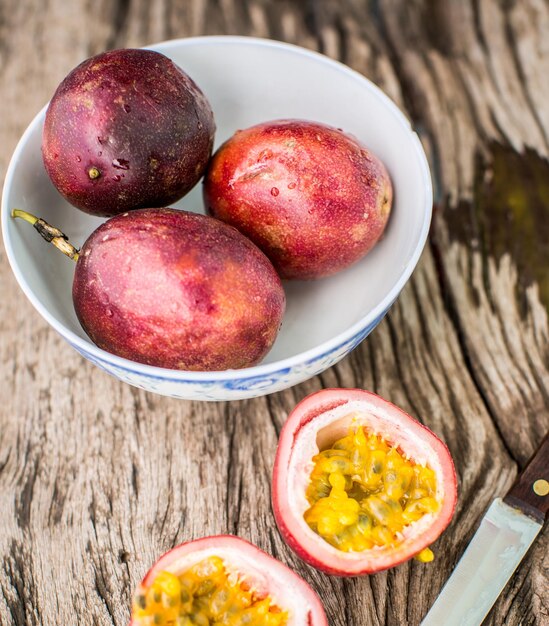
(498, 546)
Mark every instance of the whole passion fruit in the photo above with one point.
(174, 289)
(360, 486)
(126, 129)
(313, 198)
(224, 580)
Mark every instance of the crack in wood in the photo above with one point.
(121, 9)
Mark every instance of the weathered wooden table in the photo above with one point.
(98, 478)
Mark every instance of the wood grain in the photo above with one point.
(97, 479)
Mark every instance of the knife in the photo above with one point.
(505, 533)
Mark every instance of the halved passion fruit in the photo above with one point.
(224, 581)
(359, 485)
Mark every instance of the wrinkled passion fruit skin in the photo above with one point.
(311, 421)
(311, 197)
(264, 573)
(126, 129)
(177, 290)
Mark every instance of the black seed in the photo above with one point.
(141, 601)
(185, 596)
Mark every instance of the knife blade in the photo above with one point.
(506, 531)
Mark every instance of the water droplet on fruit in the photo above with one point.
(127, 108)
(117, 178)
(109, 313)
(78, 159)
(291, 185)
(121, 164)
(199, 126)
(274, 191)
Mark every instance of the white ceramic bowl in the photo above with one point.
(247, 81)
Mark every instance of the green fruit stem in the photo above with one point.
(49, 233)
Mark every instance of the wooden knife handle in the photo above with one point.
(530, 493)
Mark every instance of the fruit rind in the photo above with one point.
(312, 197)
(296, 447)
(177, 290)
(126, 129)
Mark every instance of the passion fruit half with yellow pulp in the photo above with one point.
(226, 581)
(359, 485)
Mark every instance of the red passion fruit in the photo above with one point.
(177, 290)
(126, 129)
(173, 289)
(359, 485)
(313, 198)
(227, 581)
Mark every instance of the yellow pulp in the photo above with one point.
(363, 492)
(204, 595)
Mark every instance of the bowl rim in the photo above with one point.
(263, 369)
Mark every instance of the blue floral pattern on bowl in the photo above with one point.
(231, 387)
